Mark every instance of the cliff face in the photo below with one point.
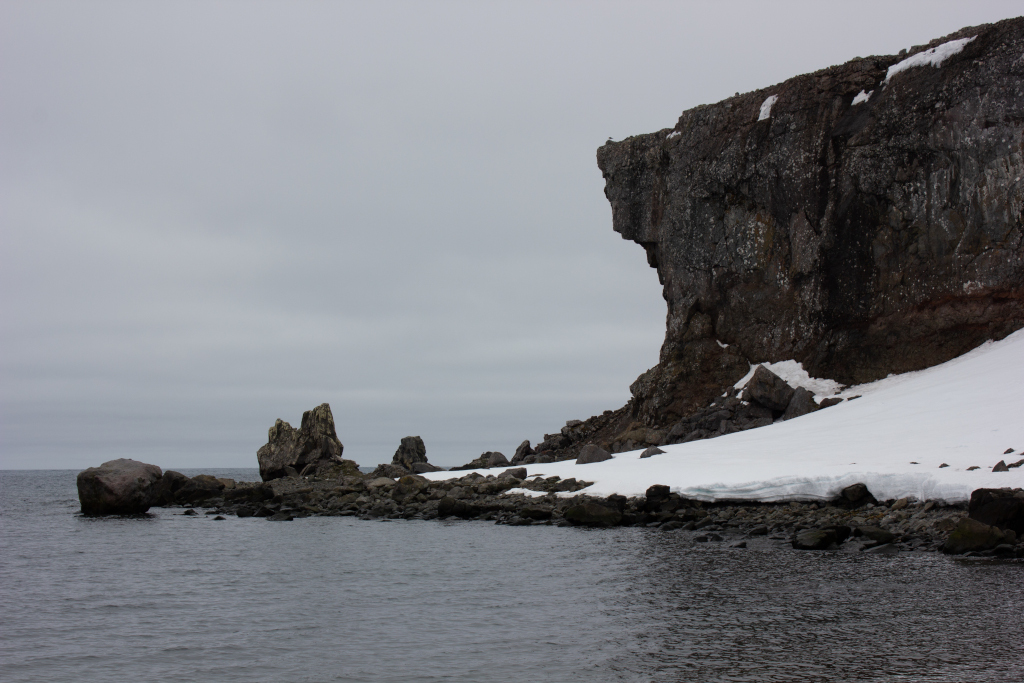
(860, 239)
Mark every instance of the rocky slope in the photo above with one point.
(859, 225)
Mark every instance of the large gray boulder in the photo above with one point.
(1003, 508)
(118, 487)
(768, 389)
(591, 453)
(313, 443)
(972, 535)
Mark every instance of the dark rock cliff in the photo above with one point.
(860, 239)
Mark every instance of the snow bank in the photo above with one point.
(933, 57)
(962, 413)
(766, 107)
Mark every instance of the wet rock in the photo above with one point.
(801, 404)
(593, 514)
(313, 443)
(189, 513)
(118, 487)
(591, 453)
(653, 450)
(885, 549)
(1002, 508)
(168, 487)
(875, 533)
(768, 389)
(199, 488)
(815, 539)
(972, 535)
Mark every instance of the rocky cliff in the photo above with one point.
(865, 219)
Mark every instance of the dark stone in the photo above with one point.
(168, 487)
(972, 535)
(495, 459)
(816, 234)
(801, 404)
(1001, 467)
(593, 514)
(422, 467)
(842, 532)
(829, 402)
(854, 496)
(618, 502)
(1002, 508)
(389, 471)
(408, 487)
(815, 539)
(219, 518)
(657, 493)
(768, 389)
(411, 451)
(759, 530)
(515, 473)
(313, 443)
(591, 453)
(884, 549)
(521, 452)
(118, 487)
(189, 513)
(653, 450)
(199, 488)
(875, 533)
(537, 512)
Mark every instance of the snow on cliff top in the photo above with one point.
(965, 412)
(933, 57)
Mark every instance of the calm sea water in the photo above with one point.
(175, 598)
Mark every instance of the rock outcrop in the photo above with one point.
(312, 449)
(118, 487)
(858, 223)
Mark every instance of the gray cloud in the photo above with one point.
(218, 214)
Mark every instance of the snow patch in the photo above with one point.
(673, 134)
(933, 57)
(529, 493)
(862, 97)
(766, 107)
(795, 376)
(722, 344)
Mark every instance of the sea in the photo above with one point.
(168, 597)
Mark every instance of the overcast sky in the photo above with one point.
(215, 214)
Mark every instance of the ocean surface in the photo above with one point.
(176, 598)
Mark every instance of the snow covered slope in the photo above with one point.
(963, 413)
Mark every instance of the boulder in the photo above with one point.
(514, 473)
(801, 404)
(521, 452)
(168, 487)
(495, 459)
(829, 402)
(854, 496)
(815, 539)
(410, 451)
(118, 487)
(875, 534)
(972, 535)
(314, 442)
(593, 514)
(657, 493)
(1002, 508)
(390, 471)
(1001, 467)
(421, 467)
(653, 450)
(408, 487)
(199, 488)
(591, 453)
(768, 389)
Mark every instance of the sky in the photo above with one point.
(217, 214)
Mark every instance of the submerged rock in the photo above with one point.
(118, 487)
